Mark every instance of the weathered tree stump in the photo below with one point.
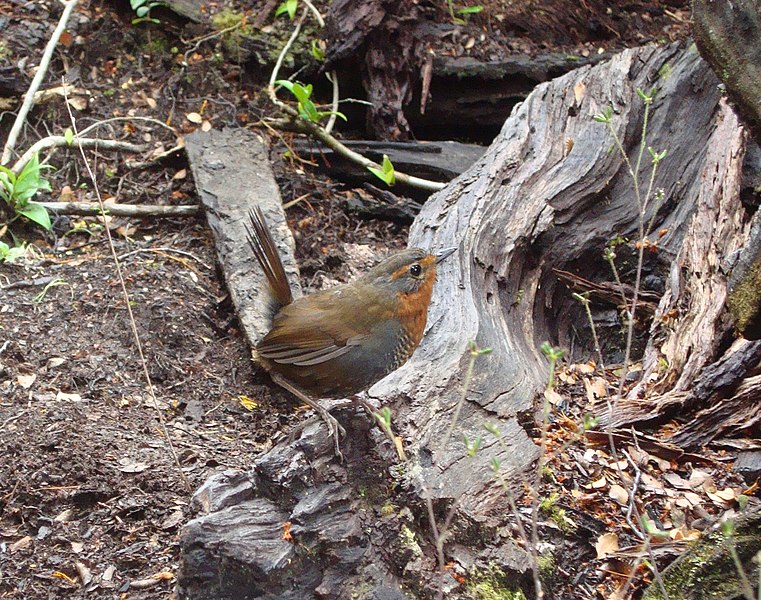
(548, 196)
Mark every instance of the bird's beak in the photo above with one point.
(442, 254)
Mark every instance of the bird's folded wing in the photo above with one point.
(306, 353)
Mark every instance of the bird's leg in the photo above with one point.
(334, 427)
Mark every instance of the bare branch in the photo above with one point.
(38, 77)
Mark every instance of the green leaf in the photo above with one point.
(289, 6)
(309, 111)
(135, 4)
(317, 52)
(142, 11)
(386, 173)
(68, 135)
(9, 254)
(303, 93)
(470, 10)
(36, 213)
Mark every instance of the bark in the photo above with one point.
(386, 35)
(727, 35)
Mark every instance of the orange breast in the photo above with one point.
(412, 309)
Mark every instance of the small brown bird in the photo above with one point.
(338, 342)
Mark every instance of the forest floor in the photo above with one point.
(91, 500)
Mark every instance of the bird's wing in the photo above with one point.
(307, 333)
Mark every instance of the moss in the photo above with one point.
(492, 584)
(5, 52)
(409, 541)
(547, 567)
(388, 509)
(556, 514)
(745, 299)
(156, 45)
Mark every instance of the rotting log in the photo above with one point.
(549, 195)
(232, 172)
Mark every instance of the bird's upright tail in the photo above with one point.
(267, 256)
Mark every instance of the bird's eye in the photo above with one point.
(416, 270)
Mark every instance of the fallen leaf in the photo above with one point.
(194, 117)
(128, 466)
(619, 494)
(24, 542)
(64, 397)
(247, 403)
(77, 547)
(606, 544)
(553, 397)
(599, 484)
(26, 381)
(579, 91)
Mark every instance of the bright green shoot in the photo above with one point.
(288, 7)
(18, 190)
(386, 173)
(143, 9)
(307, 109)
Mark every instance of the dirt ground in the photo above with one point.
(91, 499)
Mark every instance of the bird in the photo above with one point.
(337, 342)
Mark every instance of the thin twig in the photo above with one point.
(120, 210)
(57, 141)
(68, 8)
(333, 78)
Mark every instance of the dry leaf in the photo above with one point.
(24, 542)
(26, 381)
(54, 362)
(247, 403)
(194, 117)
(579, 91)
(181, 174)
(619, 494)
(205, 126)
(606, 544)
(599, 484)
(77, 547)
(128, 466)
(64, 397)
(553, 397)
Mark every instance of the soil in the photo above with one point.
(91, 496)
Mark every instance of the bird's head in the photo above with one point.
(407, 272)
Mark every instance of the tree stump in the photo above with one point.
(549, 195)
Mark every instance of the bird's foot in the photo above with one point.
(335, 430)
